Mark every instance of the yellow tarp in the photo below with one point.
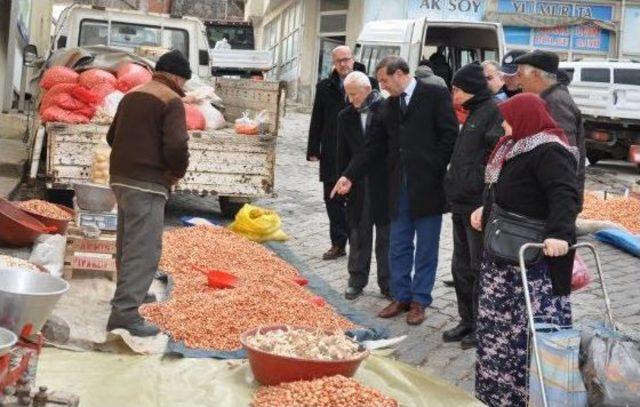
(117, 380)
(258, 224)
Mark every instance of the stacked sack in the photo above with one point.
(75, 98)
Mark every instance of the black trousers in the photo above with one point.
(465, 267)
(360, 248)
(338, 227)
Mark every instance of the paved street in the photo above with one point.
(299, 202)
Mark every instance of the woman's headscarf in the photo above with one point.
(531, 124)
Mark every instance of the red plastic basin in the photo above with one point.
(17, 228)
(54, 225)
(270, 369)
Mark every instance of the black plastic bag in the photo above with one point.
(610, 364)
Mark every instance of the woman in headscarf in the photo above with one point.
(532, 172)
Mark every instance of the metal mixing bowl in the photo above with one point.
(27, 299)
(7, 340)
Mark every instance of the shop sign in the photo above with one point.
(585, 37)
(447, 10)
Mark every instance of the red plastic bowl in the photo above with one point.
(54, 225)
(17, 228)
(270, 369)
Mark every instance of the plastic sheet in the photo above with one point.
(144, 381)
(258, 224)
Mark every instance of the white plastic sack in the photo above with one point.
(213, 117)
(48, 252)
(202, 93)
(111, 102)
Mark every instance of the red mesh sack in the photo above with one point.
(95, 77)
(68, 102)
(195, 118)
(102, 90)
(131, 75)
(58, 114)
(58, 75)
(49, 98)
(85, 95)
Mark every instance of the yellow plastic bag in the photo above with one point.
(258, 224)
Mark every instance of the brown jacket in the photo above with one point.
(148, 135)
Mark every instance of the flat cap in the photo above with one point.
(508, 67)
(544, 60)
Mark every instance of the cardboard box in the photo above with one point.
(85, 254)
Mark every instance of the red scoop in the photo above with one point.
(301, 281)
(220, 279)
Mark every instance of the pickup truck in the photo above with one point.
(608, 95)
(236, 168)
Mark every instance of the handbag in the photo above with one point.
(506, 232)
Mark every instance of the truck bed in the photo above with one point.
(221, 162)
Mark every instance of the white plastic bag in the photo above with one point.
(202, 93)
(48, 252)
(212, 116)
(111, 102)
(247, 125)
(100, 163)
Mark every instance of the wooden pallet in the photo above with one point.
(90, 256)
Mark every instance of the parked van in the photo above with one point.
(458, 42)
(83, 26)
(608, 95)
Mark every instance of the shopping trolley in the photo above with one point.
(530, 315)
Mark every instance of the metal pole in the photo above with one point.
(23, 87)
(621, 29)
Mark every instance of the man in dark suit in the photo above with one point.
(416, 131)
(364, 206)
(329, 101)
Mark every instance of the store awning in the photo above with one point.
(538, 21)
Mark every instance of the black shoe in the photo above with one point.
(448, 283)
(456, 334)
(136, 325)
(352, 293)
(149, 298)
(469, 341)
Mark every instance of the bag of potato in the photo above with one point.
(100, 164)
(258, 224)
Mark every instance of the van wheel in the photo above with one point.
(595, 156)
(229, 208)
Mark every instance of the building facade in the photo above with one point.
(301, 33)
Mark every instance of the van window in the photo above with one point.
(372, 54)
(626, 76)
(595, 75)
(127, 35)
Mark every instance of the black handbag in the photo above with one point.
(506, 232)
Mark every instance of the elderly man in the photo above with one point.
(330, 99)
(149, 154)
(365, 208)
(509, 70)
(416, 131)
(494, 80)
(537, 74)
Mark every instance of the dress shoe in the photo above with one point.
(416, 314)
(149, 298)
(334, 253)
(136, 327)
(469, 341)
(393, 309)
(351, 293)
(456, 334)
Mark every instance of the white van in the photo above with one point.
(459, 42)
(608, 95)
(83, 26)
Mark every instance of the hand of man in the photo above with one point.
(555, 247)
(476, 219)
(313, 158)
(342, 187)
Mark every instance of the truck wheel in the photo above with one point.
(595, 156)
(228, 207)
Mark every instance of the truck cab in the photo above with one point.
(83, 26)
(458, 43)
(608, 95)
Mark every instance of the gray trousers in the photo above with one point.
(360, 248)
(138, 248)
